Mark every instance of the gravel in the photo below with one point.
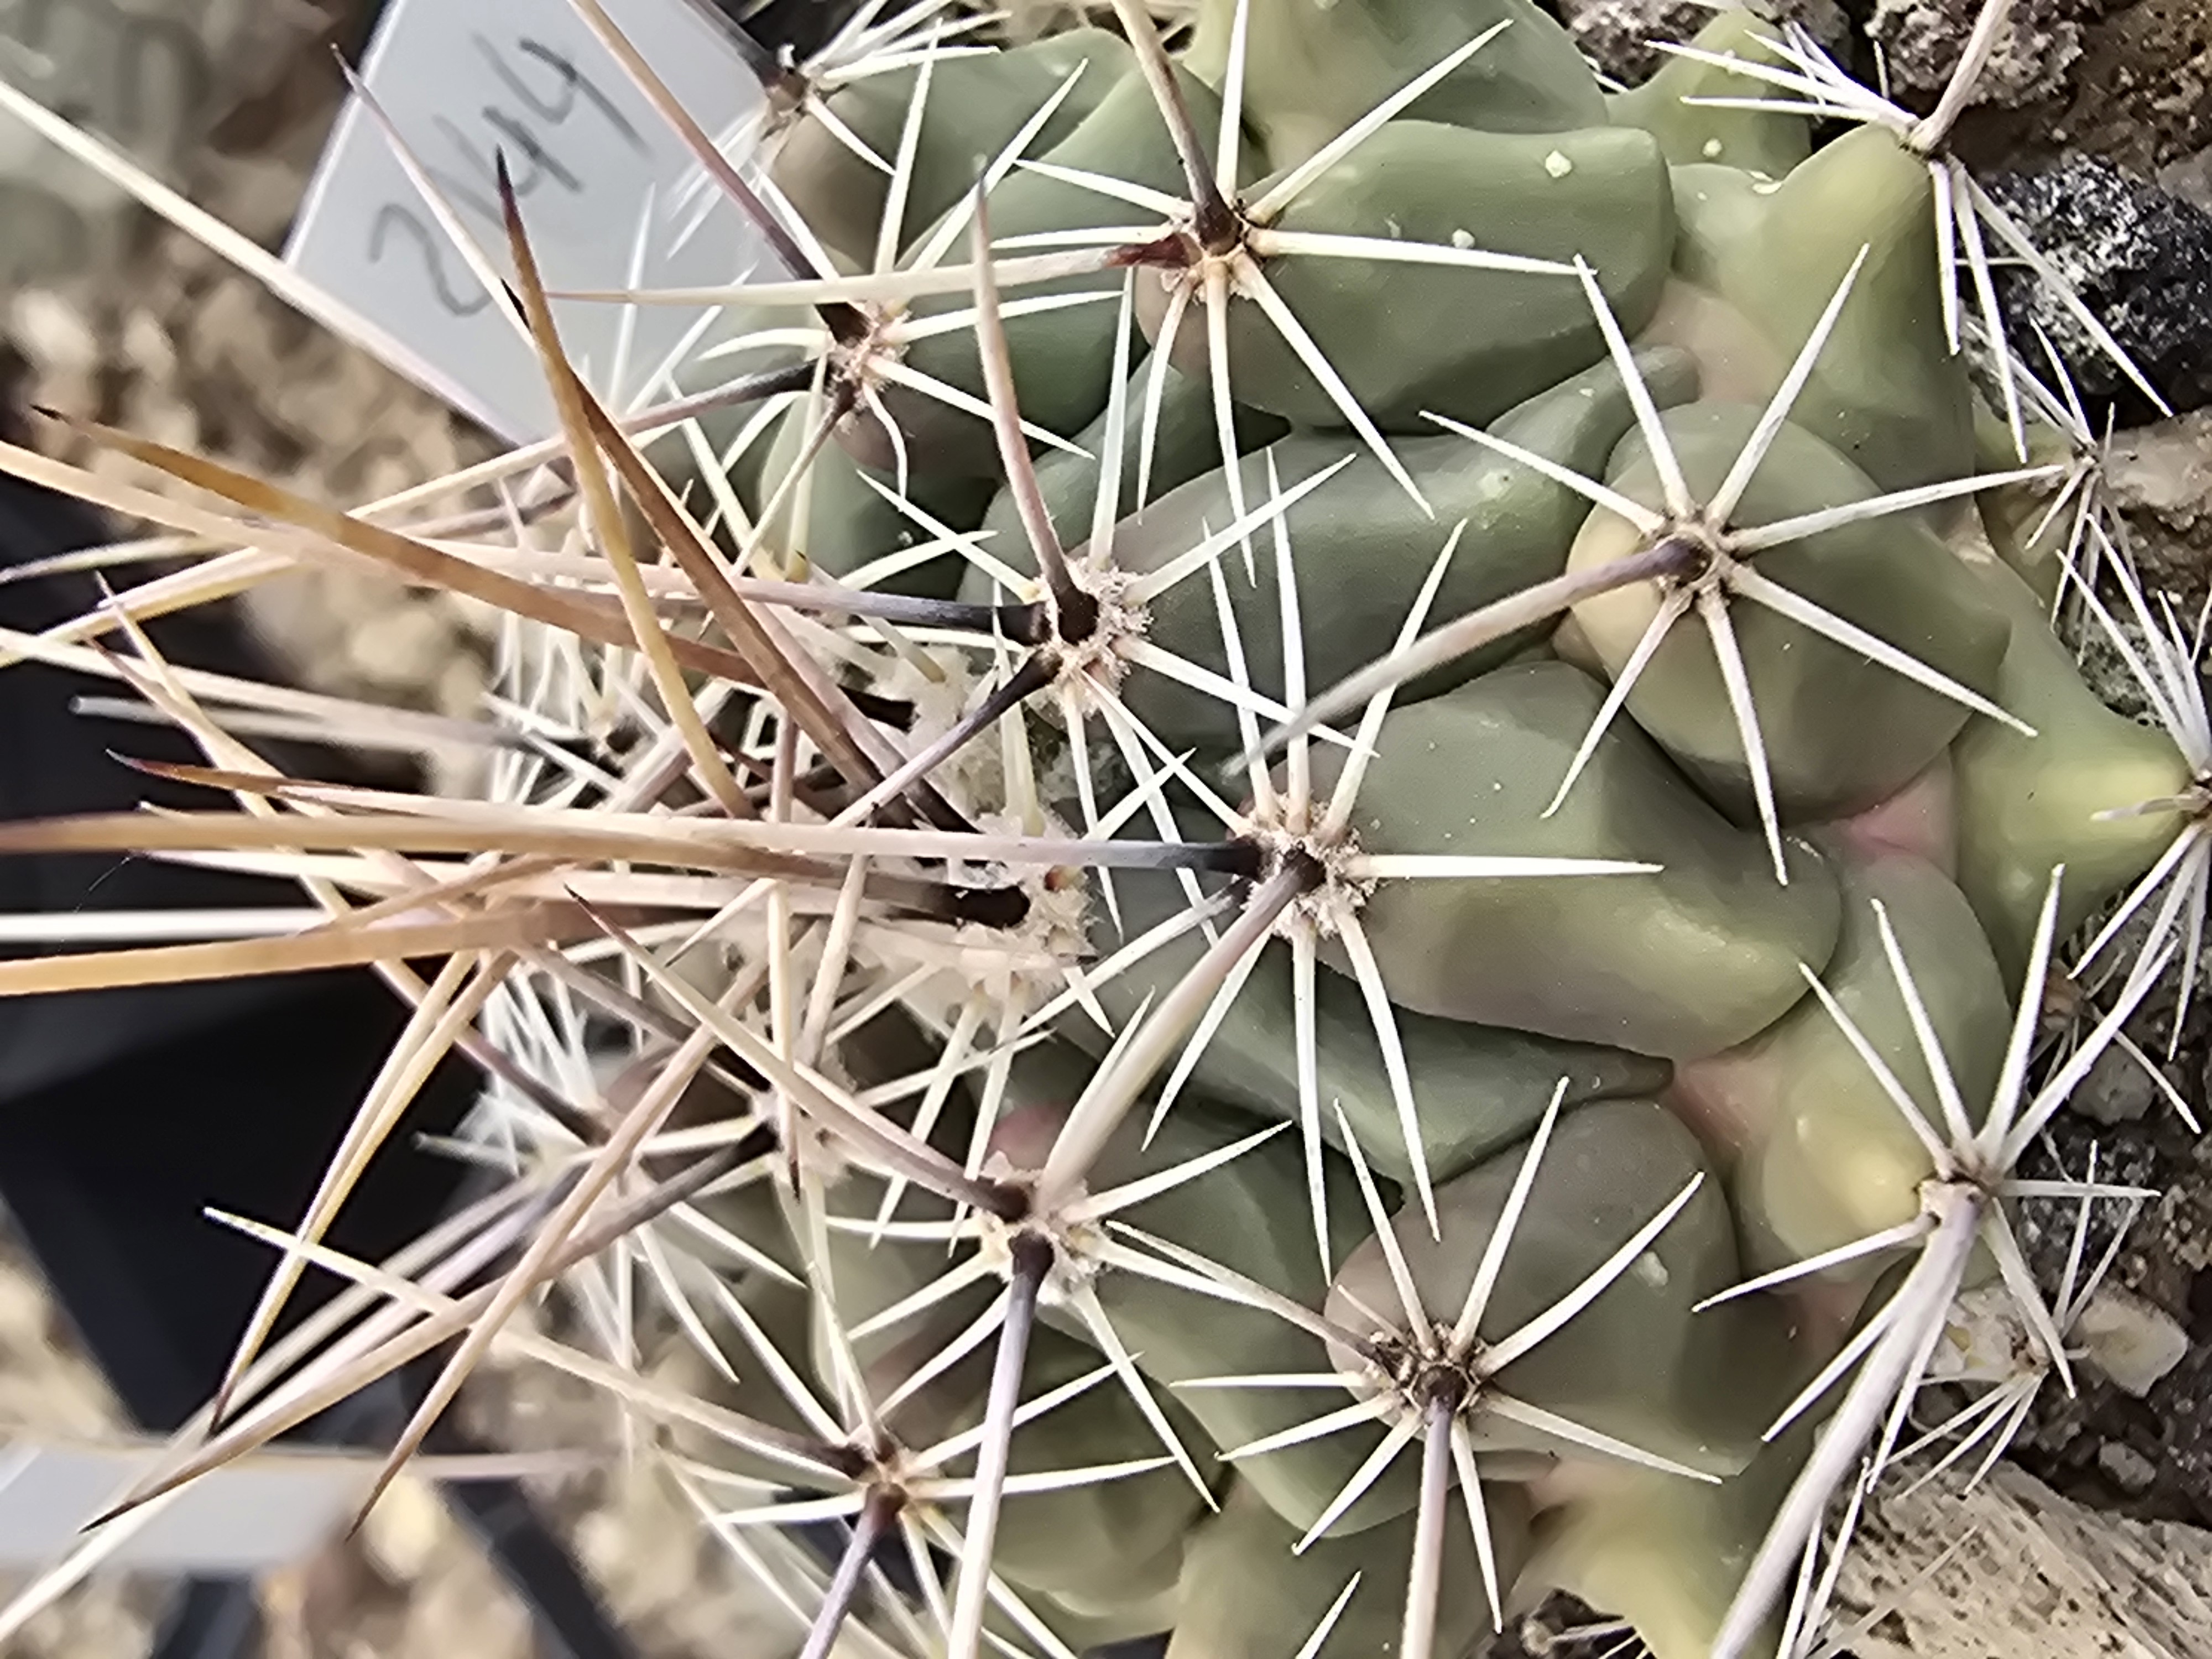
(2140, 257)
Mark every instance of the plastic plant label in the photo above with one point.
(263, 1511)
(255, 1516)
(610, 196)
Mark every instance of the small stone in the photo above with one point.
(53, 333)
(402, 645)
(405, 1530)
(2132, 1342)
(1558, 165)
(2190, 178)
(2128, 1468)
(2117, 1091)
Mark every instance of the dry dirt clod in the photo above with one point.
(2141, 258)
(1920, 40)
(2131, 1341)
(2129, 1469)
(2117, 1091)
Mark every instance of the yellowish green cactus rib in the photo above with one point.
(1761, 143)
(2037, 527)
(1886, 392)
(1311, 69)
(1343, 1599)
(2063, 797)
(1666, 1555)
(1821, 1156)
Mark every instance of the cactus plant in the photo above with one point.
(1181, 1166)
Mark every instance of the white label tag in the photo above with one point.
(265, 1510)
(611, 197)
(237, 1522)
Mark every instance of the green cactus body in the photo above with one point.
(863, 1280)
(977, 104)
(1842, 731)
(1478, 1087)
(850, 525)
(701, 374)
(1313, 69)
(1600, 192)
(1062, 359)
(1255, 1222)
(1361, 548)
(1636, 1364)
(1670, 1009)
(1113, 1544)
(1762, 143)
(1694, 959)
(1086, 1626)
(1187, 446)
(782, 1314)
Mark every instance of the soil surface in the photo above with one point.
(2139, 92)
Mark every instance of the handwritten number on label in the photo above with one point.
(393, 217)
(529, 158)
(573, 84)
(542, 163)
